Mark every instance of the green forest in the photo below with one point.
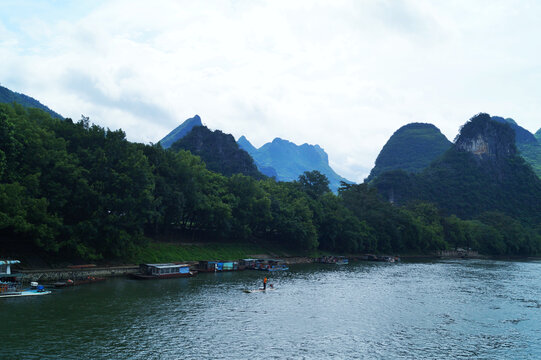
(75, 190)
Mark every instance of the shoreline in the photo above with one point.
(86, 271)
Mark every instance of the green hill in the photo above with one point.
(219, 151)
(290, 160)
(7, 97)
(411, 148)
(481, 172)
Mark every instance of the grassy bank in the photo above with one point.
(157, 252)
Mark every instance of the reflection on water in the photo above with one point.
(451, 309)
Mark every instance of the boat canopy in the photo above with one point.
(9, 262)
(5, 266)
(167, 266)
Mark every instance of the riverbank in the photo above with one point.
(191, 253)
(45, 276)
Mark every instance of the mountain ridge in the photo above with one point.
(180, 131)
(8, 96)
(290, 160)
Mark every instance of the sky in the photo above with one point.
(341, 74)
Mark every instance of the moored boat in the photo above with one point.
(247, 264)
(215, 266)
(271, 265)
(163, 271)
(11, 286)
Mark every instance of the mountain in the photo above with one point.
(411, 148)
(250, 149)
(538, 135)
(246, 145)
(7, 96)
(219, 151)
(527, 143)
(290, 160)
(180, 131)
(481, 172)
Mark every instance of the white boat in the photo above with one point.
(31, 292)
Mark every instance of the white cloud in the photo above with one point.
(342, 74)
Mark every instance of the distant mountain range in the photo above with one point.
(411, 148)
(8, 96)
(280, 159)
(289, 160)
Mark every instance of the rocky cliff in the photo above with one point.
(486, 138)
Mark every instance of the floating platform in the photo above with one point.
(258, 290)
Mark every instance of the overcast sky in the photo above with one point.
(341, 74)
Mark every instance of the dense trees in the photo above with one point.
(78, 190)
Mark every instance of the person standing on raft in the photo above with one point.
(265, 283)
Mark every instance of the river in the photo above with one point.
(459, 309)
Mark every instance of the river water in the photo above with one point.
(467, 309)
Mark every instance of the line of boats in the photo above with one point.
(11, 286)
(175, 270)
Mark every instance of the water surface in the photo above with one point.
(467, 309)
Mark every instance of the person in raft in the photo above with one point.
(265, 283)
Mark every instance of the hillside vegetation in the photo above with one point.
(411, 148)
(528, 145)
(8, 97)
